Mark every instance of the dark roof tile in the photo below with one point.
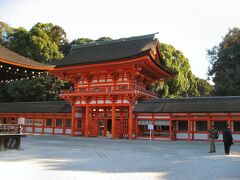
(16, 59)
(36, 107)
(108, 51)
(188, 105)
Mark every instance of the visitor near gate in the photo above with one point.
(227, 139)
(213, 134)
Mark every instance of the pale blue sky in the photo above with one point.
(192, 26)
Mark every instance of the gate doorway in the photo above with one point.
(104, 127)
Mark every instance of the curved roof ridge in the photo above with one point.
(115, 41)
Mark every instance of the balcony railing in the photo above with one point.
(108, 89)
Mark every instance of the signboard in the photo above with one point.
(150, 126)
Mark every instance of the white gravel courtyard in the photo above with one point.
(73, 158)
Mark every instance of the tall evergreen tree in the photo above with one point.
(225, 64)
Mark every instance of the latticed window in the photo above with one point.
(59, 122)
(220, 125)
(68, 123)
(182, 125)
(48, 122)
(201, 125)
(236, 126)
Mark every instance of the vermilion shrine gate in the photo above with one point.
(109, 78)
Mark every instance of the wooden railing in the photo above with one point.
(10, 129)
(108, 89)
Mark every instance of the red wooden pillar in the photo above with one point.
(43, 122)
(229, 121)
(113, 120)
(33, 124)
(193, 128)
(87, 120)
(121, 121)
(130, 121)
(64, 124)
(54, 123)
(153, 122)
(189, 127)
(209, 126)
(73, 121)
(170, 127)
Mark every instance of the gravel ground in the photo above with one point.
(73, 158)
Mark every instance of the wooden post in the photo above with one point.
(64, 124)
(113, 120)
(193, 128)
(87, 120)
(43, 123)
(189, 127)
(229, 119)
(153, 122)
(170, 127)
(209, 126)
(73, 121)
(130, 121)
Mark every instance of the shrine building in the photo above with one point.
(110, 98)
(109, 79)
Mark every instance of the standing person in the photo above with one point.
(212, 136)
(227, 139)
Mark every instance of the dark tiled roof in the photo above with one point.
(36, 107)
(109, 50)
(13, 58)
(184, 105)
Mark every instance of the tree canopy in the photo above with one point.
(41, 44)
(225, 64)
(185, 83)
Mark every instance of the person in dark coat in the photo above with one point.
(227, 139)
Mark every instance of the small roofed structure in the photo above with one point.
(16, 67)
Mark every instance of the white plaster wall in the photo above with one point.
(68, 131)
(161, 117)
(144, 117)
(200, 136)
(108, 102)
(93, 102)
(58, 131)
(236, 137)
(38, 130)
(78, 115)
(100, 101)
(48, 130)
(182, 135)
(28, 129)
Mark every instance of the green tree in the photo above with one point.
(225, 64)
(103, 39)
(44, 43)
(40, 44)
(20, 42)
(5, 30)
(185, 83)
(80, 41)
(66, 46)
